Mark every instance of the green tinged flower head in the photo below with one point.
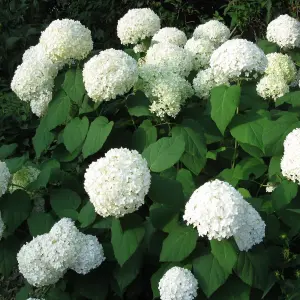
(23, 178)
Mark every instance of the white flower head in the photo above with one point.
(170, 35)
(281, 65)
(166, 90)
(117, 183)
(272, 87)
(201, 51)
(178, 283)
(205, 81)
(284, 31)
(4, 177)
(271, 187)
(64, 40)
(290, 162)
(140, 48)
(137, 25)
(109, 74)
(219, 212)
(236, 58)
(89, 254)
(214, 31)
(23, 177)
(170, 57)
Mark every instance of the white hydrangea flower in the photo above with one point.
(64, 40)
(166, 90)
(35, 263)
(170, 57)
(178, 284)
(170, 35)
(4, 177)
(109, 74)
(281, 65)
(140, 48)
(290, 162)
(205, 81)
(284, 31)
(272, 86)
(136, 25)
(2, 227)
(214, 31)
(236, 58)
(23, 177)
(271, 187)
(201, 51)
(117, 183)
(219, 212)
(89, 254)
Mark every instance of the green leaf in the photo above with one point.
(225, 253)
(274, 166)
(16, 163)
(57, 294)
(284, 194)
(183, 240)
(291, 98)
(125, 243)
(224, 101)
(209, 273)
(64, 199)
(58, 110)
(15, 209)
(194, 157)
(23, 293)
(40, 223)
(185, 177)
(99, 131)
(164, 153)
(43, 138)
(87, 215)
(7, 150)
(161, 214)
(8, 255)
(75, 133)
(138, 104)
(248, 166)
(73, 85)
(145, 135)
(267, 46)
(252, 268)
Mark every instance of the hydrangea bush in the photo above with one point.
(168, 169)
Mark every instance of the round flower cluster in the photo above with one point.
(66, 39)
(271, 187)
(290, 162)
(178, 283)
(136, 25)
(284, 31)
(201, 51)
(166, 90)
(205, 81)
(45, 259)
(4, 177)
(170, 57)
(237, 58)
(140, 48)
(23, 177)
(109, 74)
(219, 211)
(117, 183)
(170, 35)
(281, 65)
(2, 227)
(214, 31)
(272, 86)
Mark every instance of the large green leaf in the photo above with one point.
(164, 153)
(161, 214)
(73, 85)
(75, 133)
(194, 156)
(125, 243)
(8, 255)
(87, 215)
(7, 150)
(145, 135)
(183, 240)
(225, 253)
(99, 131)
(267, 46)
(138, 104)
(15, 209)
(185, 177)
(58, 110)
(209, 273)
(291, 98)
(224, 101)
(40, 223)
(14, 164)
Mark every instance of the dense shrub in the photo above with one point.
(167, 169)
